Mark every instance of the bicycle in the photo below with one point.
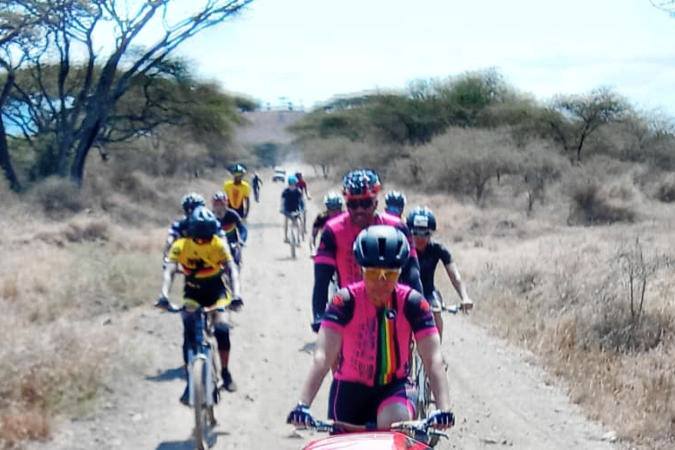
(204, 370)
(295, 232)
(415, 434)
(420, 379)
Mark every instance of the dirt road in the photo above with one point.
(501, 399)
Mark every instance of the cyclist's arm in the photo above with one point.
(247, 205)
(167, 278)
(328, 345)
(324, 268)
(234, 278)
(456, 280)
(411, 274)
(429, 349)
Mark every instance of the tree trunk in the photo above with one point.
(88, 136)
(6, 161)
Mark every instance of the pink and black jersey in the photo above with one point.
(376, 341)
(337, 241)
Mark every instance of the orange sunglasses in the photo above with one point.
(377, 273)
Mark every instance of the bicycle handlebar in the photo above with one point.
(408, 426)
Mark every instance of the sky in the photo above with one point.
(308, 51)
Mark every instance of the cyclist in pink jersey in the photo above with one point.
(360, 189)
(366, 336)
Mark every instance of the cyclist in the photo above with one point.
(256, 182)
(203, 257)
(333, 203)
(302, 185)
(231, 224)
(394, 203)
(178, 228)
(422, 222)
(366, 338)
(291, 202)
(238, 191)
(360, 189)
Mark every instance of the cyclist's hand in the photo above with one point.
(236, 304)
(441, 419)
(467, 305)
(301, 417)
(163, 303)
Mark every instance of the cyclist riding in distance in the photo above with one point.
(366, 336)
(231, 224)
(291, 201)
(256, 182)
(178, 229)
(360, 189)
(422, 222)
(238, 190)
(302, 185)
(333, 203)
(203, 257)
(394, 204)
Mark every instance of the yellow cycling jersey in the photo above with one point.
(201, 260)
(236, 193)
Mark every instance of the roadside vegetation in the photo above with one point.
(560, 216)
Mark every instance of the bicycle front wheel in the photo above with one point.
(199, 369)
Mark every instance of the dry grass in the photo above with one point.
(573, 308)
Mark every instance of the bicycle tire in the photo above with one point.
(198, 376)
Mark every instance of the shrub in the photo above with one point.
(58, 196)
(666, 190)
(90, 231)
(590, 206)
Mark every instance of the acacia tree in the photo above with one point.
(573, 118)
(19, 24)
(75, 88)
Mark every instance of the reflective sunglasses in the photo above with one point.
(377, 273)
(364, 203)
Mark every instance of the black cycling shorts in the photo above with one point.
(359, 404)
(205, 291)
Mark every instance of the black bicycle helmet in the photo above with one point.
(203, 224)
(394, 202)
(421, 218)
(381, 246)
(191, 201)
(362, 182)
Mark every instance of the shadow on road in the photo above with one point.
(168, 375)
(308, 347)
(263, 225)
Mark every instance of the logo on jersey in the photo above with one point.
(337, 300)
(424, 305)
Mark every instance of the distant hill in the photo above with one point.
(267, 126)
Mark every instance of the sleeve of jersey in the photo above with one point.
(404, 229)
(175, 251)
(418, 313)
(445, 255)
(339, 312)
(175, 228)
(325, 254)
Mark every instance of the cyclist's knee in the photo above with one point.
(222, 333)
